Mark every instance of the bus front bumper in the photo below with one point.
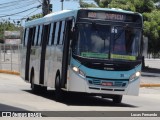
(76, 83)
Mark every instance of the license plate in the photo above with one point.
(107, 84)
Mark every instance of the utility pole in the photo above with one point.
(62, 4)
(46, 7)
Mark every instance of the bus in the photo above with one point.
(95, 51)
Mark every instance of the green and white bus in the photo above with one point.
(94, 51)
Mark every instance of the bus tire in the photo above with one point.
(37, 88)
(117, 98)
(34, 87)
(59, 93)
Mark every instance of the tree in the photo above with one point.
(150, 13)
(144, 5)
(6, 26)
(85, 4)
(152, 30)
(103, 3)
(36, 16)
(123, 4)
(132, 5)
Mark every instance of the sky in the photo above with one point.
(8, 7)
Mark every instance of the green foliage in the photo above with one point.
(6, 26)
(151, 14)
(123, 4)
(86, 5)
(152, 30)
(36, 16)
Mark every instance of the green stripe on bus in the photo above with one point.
(125, 57)
(94, 55)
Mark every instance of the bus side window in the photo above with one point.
(53, 33)
(40, 35)
(43, 30)
(62, 32)
(38, 29)
(50, 34)
(56, 34)
(30, 36)
(26, 37)
(35, 37)
(59, 32)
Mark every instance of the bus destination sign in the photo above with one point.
(106, 16)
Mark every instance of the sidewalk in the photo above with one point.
(147, 71)
(152, 68)
(151, 73)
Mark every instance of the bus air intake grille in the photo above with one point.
(97, 82)
(115, 83)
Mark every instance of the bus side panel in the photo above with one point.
(133, 87)
(23, 61)
(50, 67)
(47, 64)
(23, 53)
(59, 53)
(75, 82)
(37, 65)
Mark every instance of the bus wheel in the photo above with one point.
(34, 87)
(117, 98)
(59, 94)
(37, 88)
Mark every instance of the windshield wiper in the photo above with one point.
(118, 36)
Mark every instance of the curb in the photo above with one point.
(149, 85)
(9, 72)
(150, 74)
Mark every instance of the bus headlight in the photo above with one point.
(78, 71)
(75, 69)
(135, 76)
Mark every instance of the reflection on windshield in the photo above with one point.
(126, 41)
(106, 42)
(93, 41)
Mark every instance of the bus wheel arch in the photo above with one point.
(32, 80)
(57, 79)
(35, 88)
(59, 93)
(31, 75)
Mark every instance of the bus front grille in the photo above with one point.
(113, 82)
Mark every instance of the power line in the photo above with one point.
(16, 4)
(30, 13)
(21, 11)
(16, 7)
(10, 2)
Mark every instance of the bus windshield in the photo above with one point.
(125, 43)
(107, 42)
(93, 41)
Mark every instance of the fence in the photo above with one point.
(10, 57)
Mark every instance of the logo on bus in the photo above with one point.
(122, 75)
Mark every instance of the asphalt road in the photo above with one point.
(15, 95)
